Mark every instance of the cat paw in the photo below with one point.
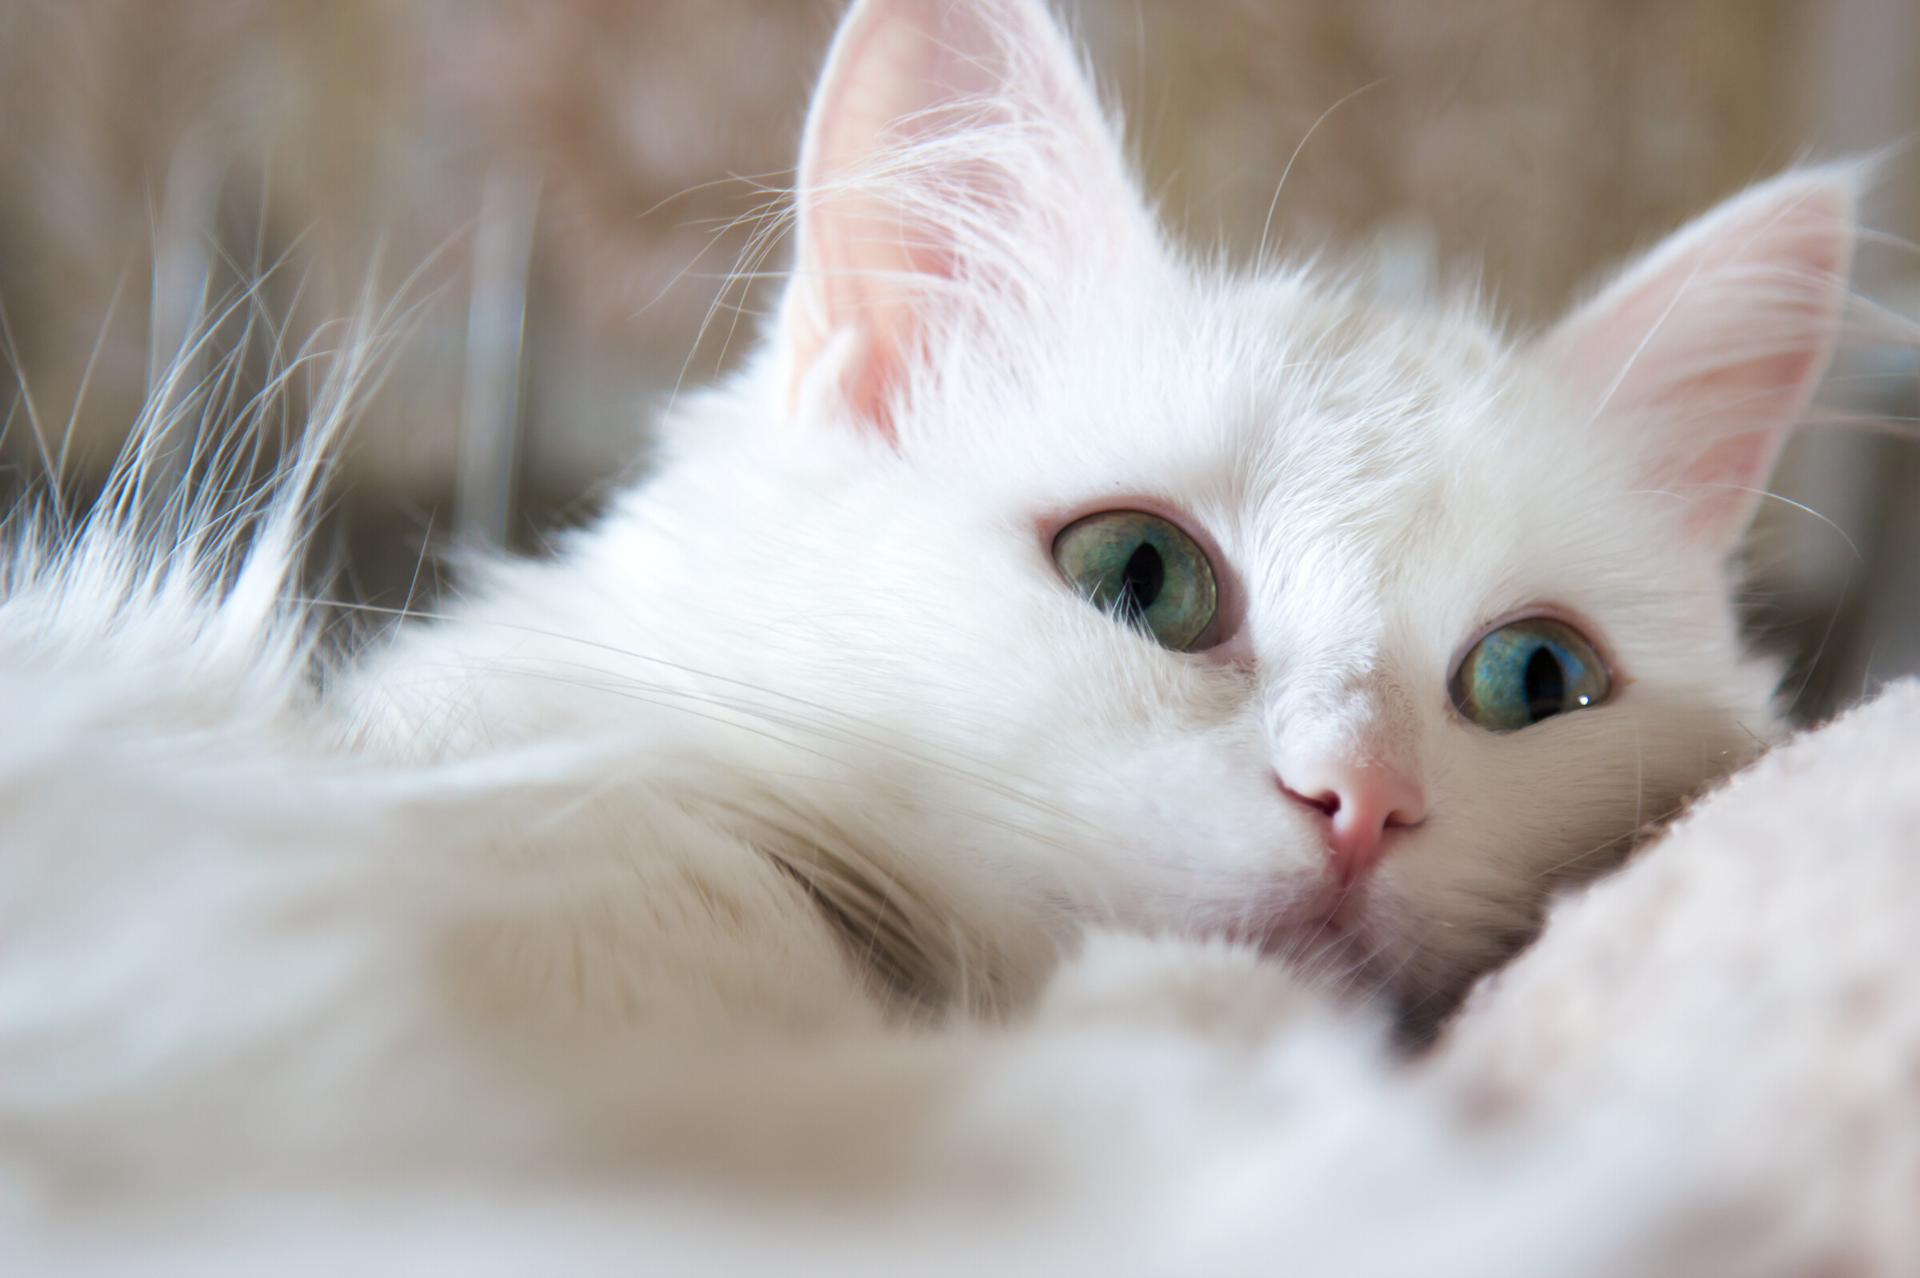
(1211, 989)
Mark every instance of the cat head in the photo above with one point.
(1228, 601)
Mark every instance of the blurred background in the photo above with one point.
(557, 191)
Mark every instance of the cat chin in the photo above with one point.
(1308, 941)
(1337, 958)
(1347, 944)
(1326, 935)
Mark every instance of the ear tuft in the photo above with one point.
(955, 167)
(1719, 336)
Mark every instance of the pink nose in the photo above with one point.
(1361, 802)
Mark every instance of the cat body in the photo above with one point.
(840, 578)
(1130, 788)
(803, 832)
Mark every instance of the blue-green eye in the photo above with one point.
(1144, 570)
(1529, 670)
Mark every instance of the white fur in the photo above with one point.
(831, 621)
(722, 864)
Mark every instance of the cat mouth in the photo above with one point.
(1321, 938)
(1329, 946)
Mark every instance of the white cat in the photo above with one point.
(1033, 578)
(838, 633)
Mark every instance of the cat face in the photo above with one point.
(986, 343)
(1373, 494)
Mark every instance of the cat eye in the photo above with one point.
(1143, 570)
(1529, 670)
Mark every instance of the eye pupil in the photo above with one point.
(1527, 670)
(1145, 572)
(1141, 581)
(1546, 684)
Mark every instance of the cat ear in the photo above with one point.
(1719, 336)
(956, 167)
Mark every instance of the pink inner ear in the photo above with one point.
(1721, 334)
(944, 133)
(1727, 472)
(1731, 471)
(853, 250)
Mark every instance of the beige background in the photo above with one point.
(155, 152)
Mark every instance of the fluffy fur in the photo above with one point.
(838, 585)
(724, 865)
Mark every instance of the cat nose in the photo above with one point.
(1361, 801)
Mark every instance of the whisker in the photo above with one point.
(1266, 227)
(830, 721)
(678, 700)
